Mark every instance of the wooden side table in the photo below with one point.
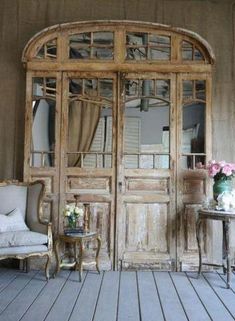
(225, 218)
(77, 239)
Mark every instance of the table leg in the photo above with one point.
(80, 266)
(97, 254)
(226, 233)
(198, 227)
(57, 255)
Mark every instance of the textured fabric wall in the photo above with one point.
(21, 19)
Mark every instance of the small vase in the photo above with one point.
(71, 222)
(221, 186)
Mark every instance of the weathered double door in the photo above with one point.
(118, 152)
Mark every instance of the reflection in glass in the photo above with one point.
(188, 89)
(43, 133)
(90, 103)
(200, 89)
(193, 134)
(146, 134)
(187, 51)
(142, 46)
(194, 89)
(48, 50)
(91, 45)
(191, 52)
(43, 129)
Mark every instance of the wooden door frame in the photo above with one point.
(120, 163)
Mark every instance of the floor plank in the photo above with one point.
(171, 304)
(213, 305)
(219, 286)
(128, 309)
(6, 277)
(41, 307)
(190, 301)
(64, 303)
(106, 309)
(14, 288)
(150, 305)
(84, 309)
(16, 309)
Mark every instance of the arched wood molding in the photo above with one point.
(61, 31)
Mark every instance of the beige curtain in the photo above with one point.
(83, 121)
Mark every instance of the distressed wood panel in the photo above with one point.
(156, 185)
(189, 223)
(146, 227)
(194, 186)
(86, 184)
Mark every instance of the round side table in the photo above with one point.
(76, 239)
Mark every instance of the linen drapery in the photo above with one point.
(83, 121)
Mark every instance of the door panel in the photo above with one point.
(88, 151)
(145, 178)
(194, 151)
(42, 132)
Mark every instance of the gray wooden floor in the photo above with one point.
(114, 296)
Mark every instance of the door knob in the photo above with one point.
(120, 186)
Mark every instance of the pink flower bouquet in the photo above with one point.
(221, 170)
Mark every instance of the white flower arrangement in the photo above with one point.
(72, 212)
(226, 201)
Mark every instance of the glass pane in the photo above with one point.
(188, 89)
(48, 50)
(187, 51)
(146, 134)
(136, 38)
(103, 38)
(160, 47)
(139, 53)
(163, 41)
(198, 55)
(163, 89)
(159, 53)
(106, 88)
(193, 135)
(80, 39)
(102, 53)
(41, 52)
(80, 53)
(38, 87)
(44, 87)
(43, 133)
(131, 88)
(201, 89)
(51, 50)
(90, 123)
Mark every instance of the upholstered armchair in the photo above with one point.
(24, 232)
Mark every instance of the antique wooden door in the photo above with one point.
(118, 112)
(146, 171)
(88, 151)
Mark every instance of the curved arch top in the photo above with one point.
(61, 32)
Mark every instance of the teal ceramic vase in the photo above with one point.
(220, 186)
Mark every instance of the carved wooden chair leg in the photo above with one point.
(97, 254)
(27, 264)
(47, 267)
